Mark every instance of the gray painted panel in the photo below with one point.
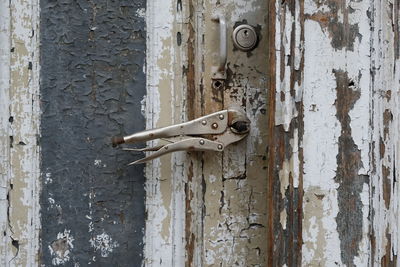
(92, 82)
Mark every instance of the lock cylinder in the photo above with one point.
(245, 37)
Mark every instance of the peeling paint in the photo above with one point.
(164, 239)
(314, 184)
(234, 187)
(61, 248)
(104, 244)
(92, 56)
(19, 116)
(384, 218)
(350, 217)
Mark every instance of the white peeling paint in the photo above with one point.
(159, 247)
(62, 256)
(283, 219)
(284, 111)
(141, 12)
(322, 129)
(89, 216)
(48, 178)
(51, 201)
(385, 222)
(5, 253)
(364, 257)
(320, 141)
(143, 106)
(104, 244)
(19, 116)
(321, 132)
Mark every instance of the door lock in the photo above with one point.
(208, 133)
(245, 37)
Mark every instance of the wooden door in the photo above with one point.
(315, 183)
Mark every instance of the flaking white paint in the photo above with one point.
(320, 141)
(62, 256)
(161, 203)
(285, 111)
(104, 244)
(19, 116)
(322, 129)
(385, 97)
(4, 127)
(321, 132)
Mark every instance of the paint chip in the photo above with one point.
(141, 12)
(60, 248)
(103, 243)
(143, 106)
(48, 179)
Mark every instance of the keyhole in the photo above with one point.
(246, 33)
(217, 84)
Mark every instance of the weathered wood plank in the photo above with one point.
(322, 106)
(5, 51)
(286, 127)
(385, 89)
(19, 188)
(165, 105)
(234, 183)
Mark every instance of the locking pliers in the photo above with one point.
(212, 132)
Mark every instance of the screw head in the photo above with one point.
(221, 116)
(220, 147)
(204, 122)
(214, 125)
(201, 142)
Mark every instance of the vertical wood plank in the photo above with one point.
(286, 127)
(5, 51)
(385, 85)
(167, 38)
(322, 113)
(234, 185)
(336, 146)
(20, 133)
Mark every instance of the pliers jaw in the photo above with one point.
(212, 132)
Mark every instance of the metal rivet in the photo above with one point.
(204, 122)
(219, 147)
(221, 117)
(201, 142)
(214, 125)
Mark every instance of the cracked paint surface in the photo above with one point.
(92, 83)
(323, 58)
(233, 183)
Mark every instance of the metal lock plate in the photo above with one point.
(245, 37)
